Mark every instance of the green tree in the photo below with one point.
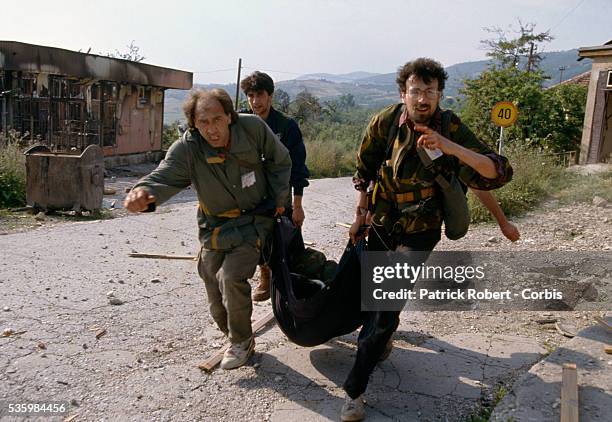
(170, 133)
(507, 52)
(281, 100)
(548, 118)
(522, 88)
(305, 107)
(564, 117)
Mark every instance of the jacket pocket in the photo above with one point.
(223, 237)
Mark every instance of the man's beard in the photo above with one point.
(421, 116)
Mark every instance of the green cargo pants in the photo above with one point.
(225, 274)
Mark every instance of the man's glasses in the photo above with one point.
(428, 93)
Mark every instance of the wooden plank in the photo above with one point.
(209, 364)
(348, 226)
(569, 393)
(603, 323)
(161, 256)
(608, 350)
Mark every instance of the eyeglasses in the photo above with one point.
(428, 93)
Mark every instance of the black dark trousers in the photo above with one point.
(378, 327)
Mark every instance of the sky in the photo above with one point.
(288, 38)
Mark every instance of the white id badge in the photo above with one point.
(434, 153)
(248, 179)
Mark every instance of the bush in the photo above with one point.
(12, 172)
(535, 177)
(329, 159)
(170, 133)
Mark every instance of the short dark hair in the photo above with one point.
(196, 95)
(257, 81)
(425, 69)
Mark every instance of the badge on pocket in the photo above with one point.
(248, 179)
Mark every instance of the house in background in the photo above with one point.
(68, 100)
(596, 145)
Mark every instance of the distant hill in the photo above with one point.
(344, 77)
(377, 90)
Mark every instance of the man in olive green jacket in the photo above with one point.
(238, 169)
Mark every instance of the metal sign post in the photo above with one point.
(501, 139)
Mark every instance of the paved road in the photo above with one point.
(56, 284)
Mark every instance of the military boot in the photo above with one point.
(262, 291)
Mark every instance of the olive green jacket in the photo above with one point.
(230, 185)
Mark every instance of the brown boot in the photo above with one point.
(262, 291)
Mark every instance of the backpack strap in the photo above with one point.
(394, 129)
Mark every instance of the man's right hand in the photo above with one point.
(138, 200)
(354, 231)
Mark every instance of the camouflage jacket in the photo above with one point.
(409, 173)
(229, 185)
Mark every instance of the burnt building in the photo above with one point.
(68, 100)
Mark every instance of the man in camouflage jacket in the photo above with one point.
(401, 182)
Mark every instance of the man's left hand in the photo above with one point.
(279, 211)
(510, 231)
(431, 139)
(298, 216)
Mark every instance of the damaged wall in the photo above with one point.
(69, 100)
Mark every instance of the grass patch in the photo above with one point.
(538, 178)
(329, 160)
(484, 413)
(12, 172)
(573, 187)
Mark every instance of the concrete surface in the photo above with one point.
(56, 283)
(536, 395)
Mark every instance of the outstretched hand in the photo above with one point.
(138, 200)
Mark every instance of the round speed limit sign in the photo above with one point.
(504, 113)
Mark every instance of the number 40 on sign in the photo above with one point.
(503, 114)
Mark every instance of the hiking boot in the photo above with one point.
(262, 291)
(238, 354)
(353, 410)
(387, 351)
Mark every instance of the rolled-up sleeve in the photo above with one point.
(471, 177)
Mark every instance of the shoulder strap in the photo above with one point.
(189, 159)
(446, 120)
(428, 162)
(394, 129)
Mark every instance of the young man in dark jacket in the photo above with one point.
(259, 88)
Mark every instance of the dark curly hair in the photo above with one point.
(196, 95)
(257, 81)
(425, 69)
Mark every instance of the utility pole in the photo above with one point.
(561, 69)
(238, 83)
(530, 59)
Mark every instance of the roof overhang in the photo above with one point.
(597, 51)
(17, 56)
